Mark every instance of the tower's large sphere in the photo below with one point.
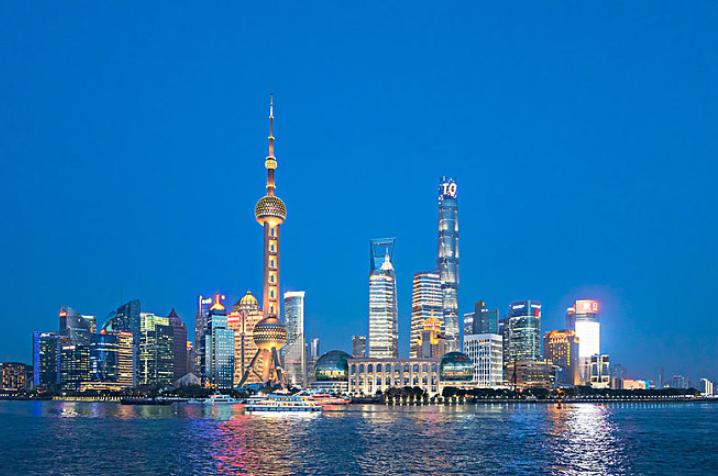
(270, 333)
(270, 209)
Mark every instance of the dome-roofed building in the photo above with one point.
(334, 365)
(456, 367)
(248, 300)
(332, 372)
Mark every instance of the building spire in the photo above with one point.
(270, 163)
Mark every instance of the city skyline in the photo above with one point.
(606, 207)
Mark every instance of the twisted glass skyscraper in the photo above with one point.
(448, 260)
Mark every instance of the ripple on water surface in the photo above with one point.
(73, 438)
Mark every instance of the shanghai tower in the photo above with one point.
(448, 260)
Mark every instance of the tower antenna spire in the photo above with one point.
(270, 162)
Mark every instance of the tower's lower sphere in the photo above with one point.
(270, 333)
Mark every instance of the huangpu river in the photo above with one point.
(81, 438)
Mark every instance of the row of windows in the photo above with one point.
(397, 368)
(388, 382)
(371, 388)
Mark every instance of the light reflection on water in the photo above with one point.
(73, 438)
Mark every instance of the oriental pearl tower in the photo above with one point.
(269, 333)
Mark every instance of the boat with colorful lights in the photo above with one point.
(276, 403)
(220, 399)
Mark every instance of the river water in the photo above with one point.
(67, 438)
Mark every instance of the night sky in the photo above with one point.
(583, 138)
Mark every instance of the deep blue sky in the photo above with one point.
(583, 137)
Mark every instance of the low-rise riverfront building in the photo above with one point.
(15, 376)
(486, 354)
(524, 374)
(370, 376)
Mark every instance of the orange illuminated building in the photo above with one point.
(561, 349)
(244, 316)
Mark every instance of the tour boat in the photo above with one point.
(220, 399)
(325, 399)
(281, 404)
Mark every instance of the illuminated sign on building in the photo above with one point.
(448, 189)
(585, 306)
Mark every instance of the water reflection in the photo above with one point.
(526, 439)
(584, 440)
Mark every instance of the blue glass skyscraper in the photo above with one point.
(127, 318)
(448, 260)
(218, 348)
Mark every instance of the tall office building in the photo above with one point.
(383, 319)
(358, 347)
(75, 326)
(190, 357)
(294, 353)
(218, 348)
(74, 368)
(469, 323)
(156, 350)
(200, 326)
(524, 331)
(583, 318)
(244, 316)
(104, 356)
(486, 321)
(482, 320)
(179, 345)
(314, 349)
(486, 354)
(270, 335)
(561, 349)
(599, 371)
(705, 386)
(45, 360)
(125, 373)
(426, 302)
(448, 260)
(126, 318)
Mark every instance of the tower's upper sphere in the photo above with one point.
(270, 208)
(270, 333)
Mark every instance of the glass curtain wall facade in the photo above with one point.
(383, 319)
(358, 347)
(200, 327)
(179, 345)
(448, 259)
(294, 352)
(426, 302)
(524, 331)
(45, 360)
(219, 349)
(583, 318)
(126, 318)
(156, 350)
(486, 321)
